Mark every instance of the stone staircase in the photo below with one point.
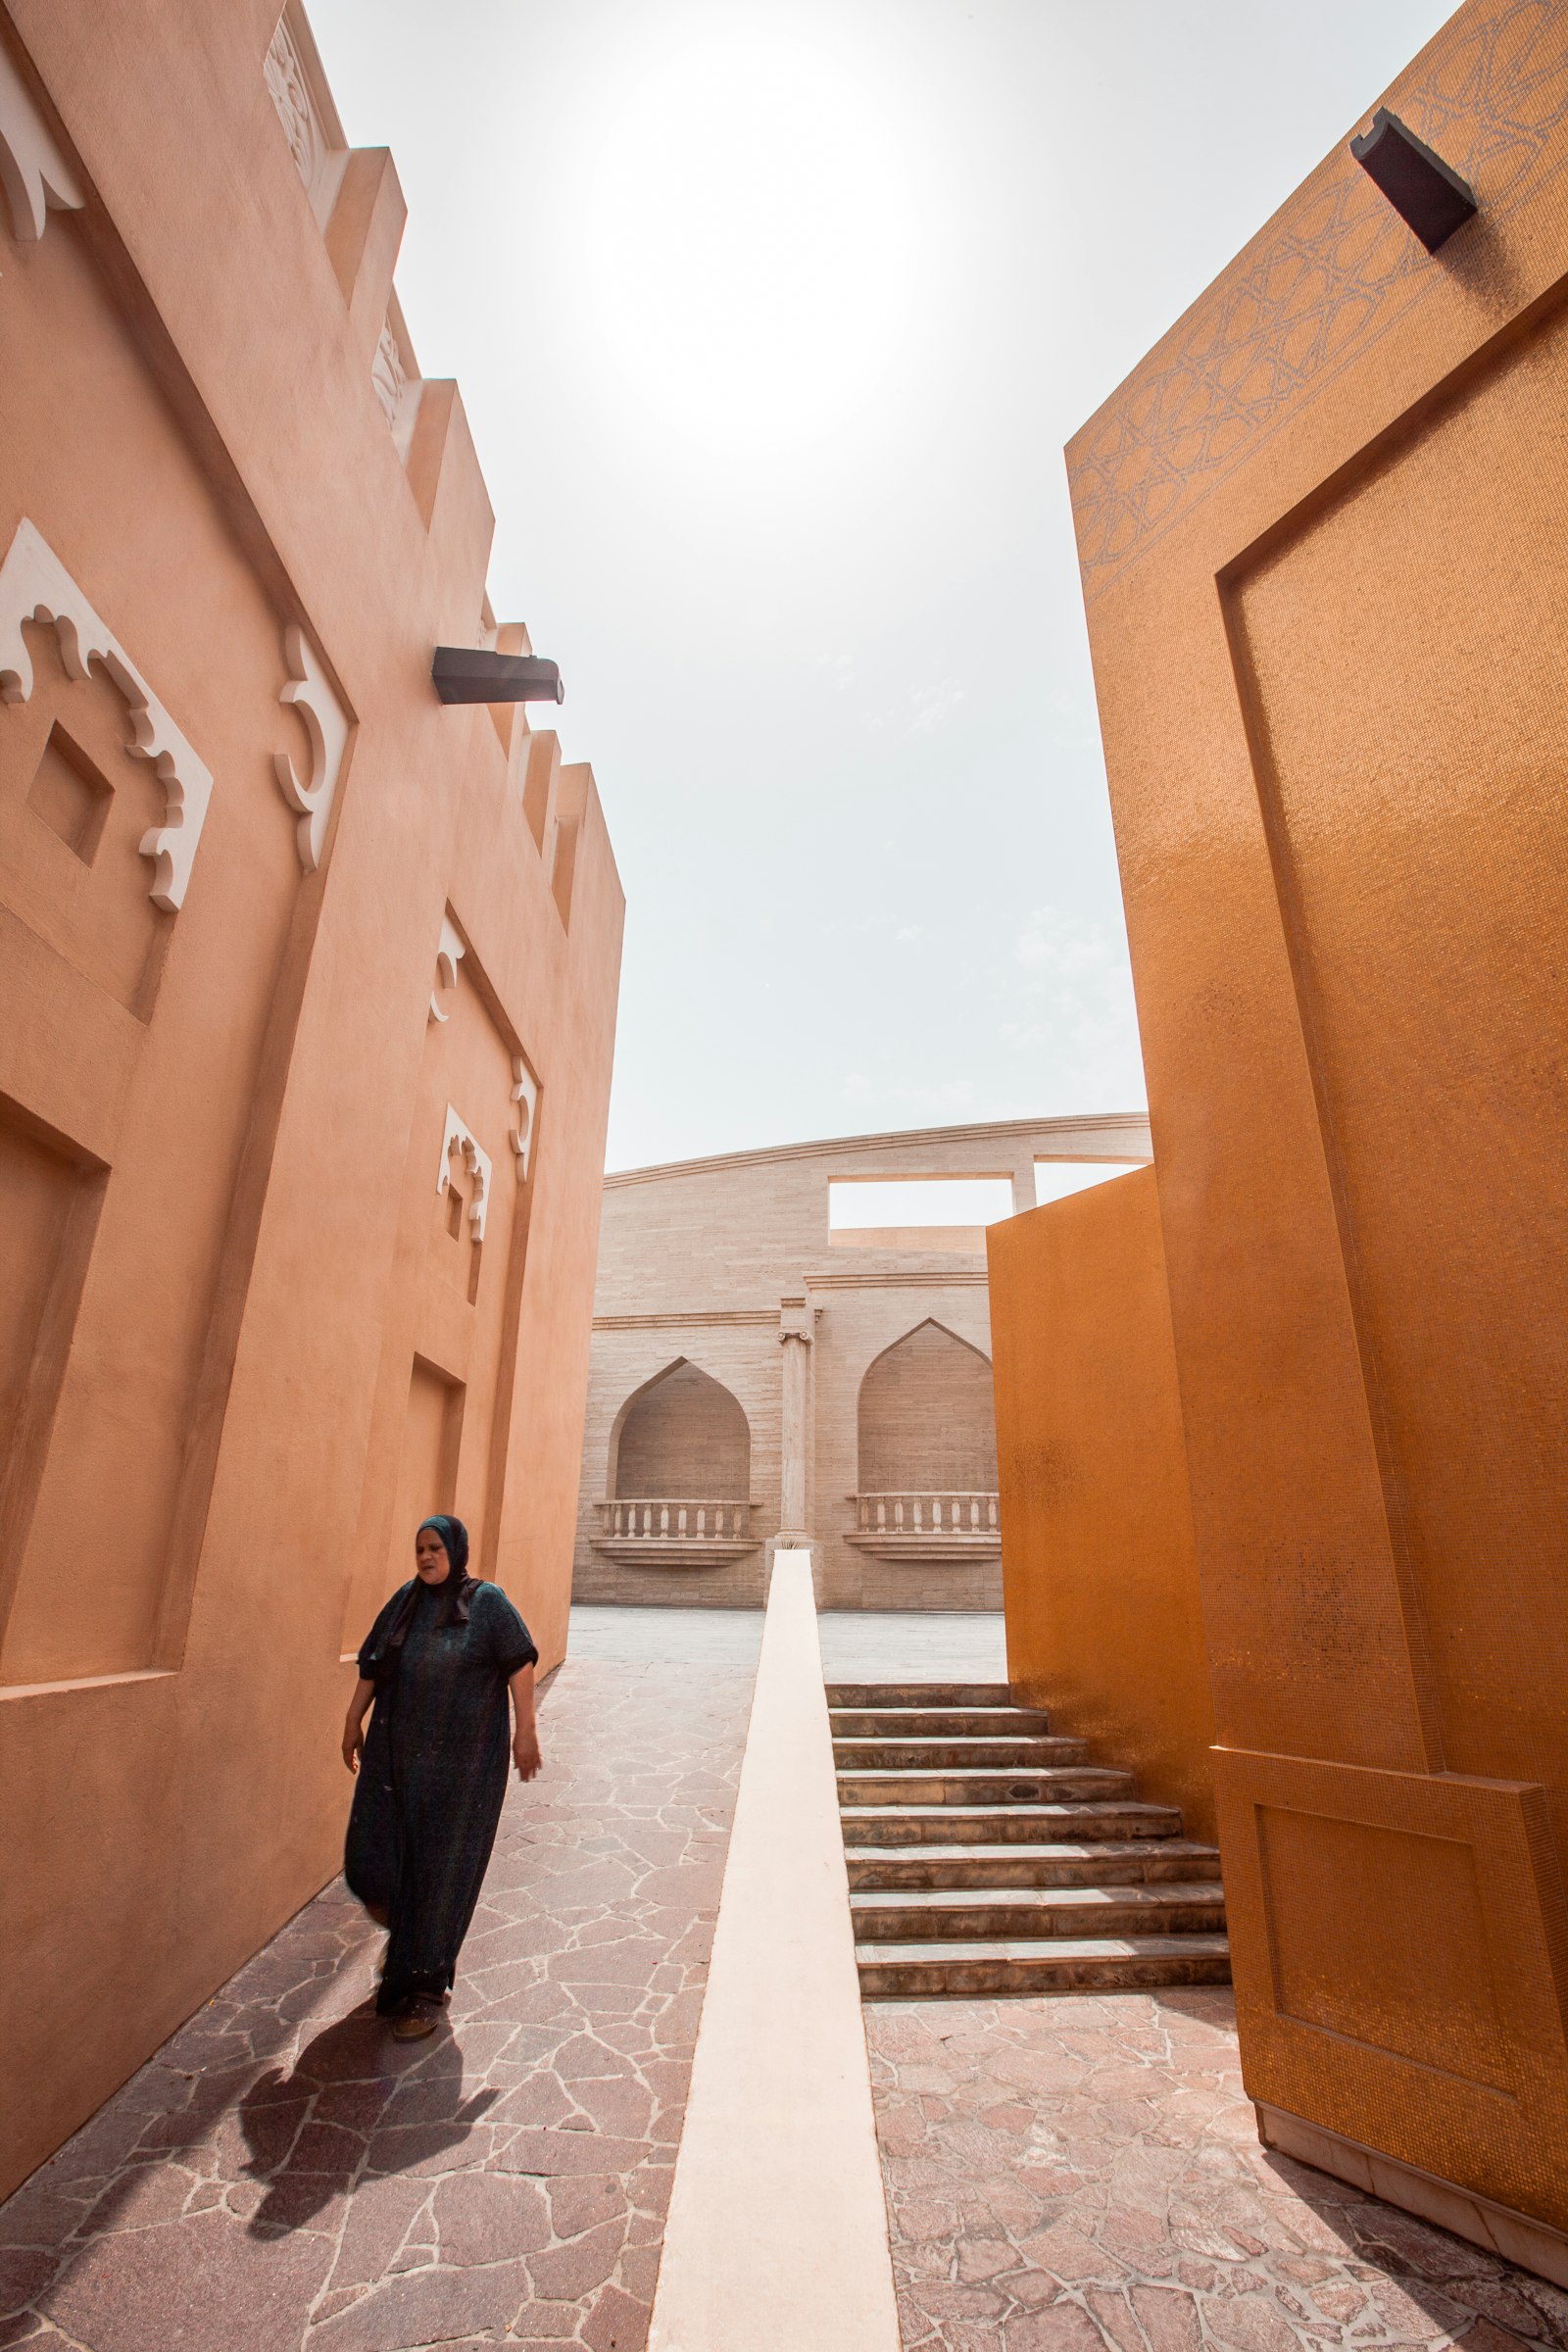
(987, 1856)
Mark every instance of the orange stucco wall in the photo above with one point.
(1099, 1575)
(1323, 562)
(228, 1285)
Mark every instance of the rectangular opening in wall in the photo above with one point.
(51, 1196)
(1054, 1179)
(915, 1212)
(427, 1466)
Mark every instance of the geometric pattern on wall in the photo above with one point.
(1337, 269)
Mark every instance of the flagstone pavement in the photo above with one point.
(282, 2174)
(1083, 2173)
(1070, 2175)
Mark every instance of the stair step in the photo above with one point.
(1005, 1825)
(918, 1694)
(1022, 1785)
(936, 1723)
(911, 1755)
(954, 1916)
(1052, 1964)
(986, 1854)
(1120, 1862)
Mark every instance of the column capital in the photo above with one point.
(797, 1318)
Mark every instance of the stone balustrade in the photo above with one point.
(661, 1519)
(641, 1527)
(926, 1526)
(921, 1515)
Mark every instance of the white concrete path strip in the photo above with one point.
(777, 2231)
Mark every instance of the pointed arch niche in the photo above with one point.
(679, 1477)
(927, 1450)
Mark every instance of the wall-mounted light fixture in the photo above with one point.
(465, 673)
(1427, 194)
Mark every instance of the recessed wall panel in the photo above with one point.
(458, 1270)
(48, 1207)
(1378, 1935)
(428, 1463)
(1406, 655)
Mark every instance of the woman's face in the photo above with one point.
(430, 1557)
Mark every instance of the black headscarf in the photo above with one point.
(460, 1586)
(454, 1536)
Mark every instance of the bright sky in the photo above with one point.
(854, 1201)
(771, 319)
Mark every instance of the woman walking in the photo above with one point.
(438, 1663)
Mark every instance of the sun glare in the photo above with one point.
(755, 239)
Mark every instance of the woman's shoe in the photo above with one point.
(418, 2019)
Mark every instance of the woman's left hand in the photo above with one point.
(526, 1754)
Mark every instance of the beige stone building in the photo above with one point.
(763, 1369)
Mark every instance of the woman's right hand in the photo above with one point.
(354, 1724)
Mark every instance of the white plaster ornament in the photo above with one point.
(34, 174)
(34, 585)
(326, 724)
(457, 1136)
(448, 956)
(525, 1095)
(290, 93)
(389, 376)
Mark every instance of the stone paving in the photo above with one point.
(284, 2176)
(1063, 2174)
(667, 1637)
(858, 1645)
(912, 1646)
(1083, 2174)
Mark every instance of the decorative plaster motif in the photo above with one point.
(525, 1095)
(1336, 272)
(34, 173)
(448, 956)
(34, 585)
(456, 1137)
(327, 726)
(290, 93)
(389, 376)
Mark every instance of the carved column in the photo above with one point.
(796, 1320)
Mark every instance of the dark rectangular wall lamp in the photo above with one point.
(465, 673)
(1427, 195)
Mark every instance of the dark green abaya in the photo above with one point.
(433, 1773)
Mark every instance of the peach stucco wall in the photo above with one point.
(1099, 1575)
(228, 1287)
(1320, 530)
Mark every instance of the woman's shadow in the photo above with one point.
(352, 2090)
